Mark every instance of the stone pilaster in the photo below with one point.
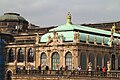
(37, 57)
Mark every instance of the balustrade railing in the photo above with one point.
(70, 73)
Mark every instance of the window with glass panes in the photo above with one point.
(43, 59)
(21, 55)
(92, 60)
(30, 55)
(106, 58)
(11, 56)
(83, 61)
(68, 60)
(55, 60)
(99, 60)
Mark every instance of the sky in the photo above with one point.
(53, 12)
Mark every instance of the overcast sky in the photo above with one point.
(53, 12)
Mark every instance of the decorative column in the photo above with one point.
(15, 62)
(75, 58)
(95, 61)
(37, 57)
(49, 58)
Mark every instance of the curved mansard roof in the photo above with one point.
(9, 17)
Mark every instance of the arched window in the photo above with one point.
(92, 60)
(106, 58)
(83, 61)
(99, 60)
(9, 75)
(68, 60)
(30, 55)
(55, 61)
(11, 56)
(43, 58)
(21, 55)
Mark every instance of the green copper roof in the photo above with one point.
(68, 29)
(72, 27)
(69, 36)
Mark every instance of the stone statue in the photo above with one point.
(108, 66)
(87, 39)
(113, 29)
(61, 38)
(49, 38)
(95, 40)
(55, 37)
(37, 38)
(102, 41)
(78, 37)
(75, 35)
(111, 40)
(89, 66)
(117, 41)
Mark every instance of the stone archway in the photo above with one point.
(68, 60)
(9, 75)
(55, 61)
(43, 59)
(113, 62)
(106, 58)
(99, 60)
(83, 61)
(92, 60)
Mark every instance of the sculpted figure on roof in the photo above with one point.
(113, 29)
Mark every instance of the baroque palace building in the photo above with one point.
(69, 45)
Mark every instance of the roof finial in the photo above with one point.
(69, 18)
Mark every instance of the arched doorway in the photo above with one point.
(9, 75)
(113, 62)
(92, 60)
(21, 55)
(83, 61)
(55, 61)
(43, 59)
(30, 55)
(106, 58)
(68, 60)
(99, 60)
